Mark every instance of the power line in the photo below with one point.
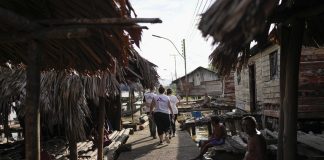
(194, 19)
(198, 15)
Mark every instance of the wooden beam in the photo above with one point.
(16, 21)
(32, 116)
(106, 21)
(21, 23)
(54, 33)
(286, 16)
(63, 32)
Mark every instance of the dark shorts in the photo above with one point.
(215, 141)
(162, 121)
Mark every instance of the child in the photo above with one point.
(217, 138)
(256, 147)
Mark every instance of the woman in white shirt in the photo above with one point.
(161, 114)
(174, 105)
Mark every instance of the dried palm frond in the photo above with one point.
(147, 70)
(233, 25)
(12, 84)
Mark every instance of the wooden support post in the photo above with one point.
(193, 130)
(231, 126)
(6, 128)
(118, 113)
(210, 131)
(284, 33)
(291, 90)
(131, 102)
(141, 108)
(101, 118)
(73, 148)
(32, 116)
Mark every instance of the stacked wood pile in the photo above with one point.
(143, 120)
(119, 139)
(58, 148)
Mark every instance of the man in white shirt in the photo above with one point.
(148, 97)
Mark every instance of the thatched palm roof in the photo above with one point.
(146, 69)
(234, 24)
(64, 94)
(80, 34)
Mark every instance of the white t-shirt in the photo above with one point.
(148, 100)
(174, 100)
(161, 103)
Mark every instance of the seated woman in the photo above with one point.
(206, 102)
(217, 138)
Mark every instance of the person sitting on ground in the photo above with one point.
(256, 146)
(217, 138)
(206, 101)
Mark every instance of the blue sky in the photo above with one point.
(179, 22)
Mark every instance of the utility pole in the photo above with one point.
(185, 63)
(183, 55)
(175, 65)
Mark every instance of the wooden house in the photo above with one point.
(257, 87)
(234, 31)
(203, 80)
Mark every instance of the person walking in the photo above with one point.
(174, 105)
(148, 98)
(161, 114)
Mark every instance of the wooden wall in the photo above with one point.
(229, 87)
(267, 90)
(200, 76)
(311, 83)
(213, 88)
(202, 81)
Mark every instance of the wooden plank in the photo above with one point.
(311, 108)
(16, 21)
(113, 135)
(313, 141)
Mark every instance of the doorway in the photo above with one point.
(253, 98)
